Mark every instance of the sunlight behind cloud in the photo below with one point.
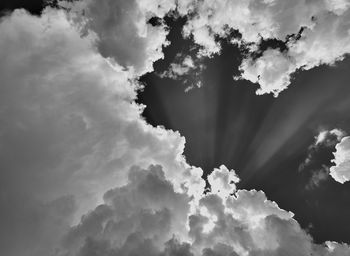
(84, 174)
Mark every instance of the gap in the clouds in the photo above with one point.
(263, 138)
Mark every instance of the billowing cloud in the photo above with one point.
(314, 33)
(146, 216)
(223, 181)
(70, 125)
(123, 30)
(72, 131)
(138, 218)
(341, 171)
(271, 71)
(318, 176)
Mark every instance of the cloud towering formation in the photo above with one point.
(72, 131)
(70, 126)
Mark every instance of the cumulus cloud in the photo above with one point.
(138, 218)
(223, 181)
(123, 30)
(341, 171)
(146, 216)
(314, 33)
(70, 123)
(72, 131)
(271, 71)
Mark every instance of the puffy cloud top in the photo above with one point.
(341, 171)
(314, 32)
(70, 127)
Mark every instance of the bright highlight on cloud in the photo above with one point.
(341, 171)
(77, 157)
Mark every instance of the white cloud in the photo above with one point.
(271, 71)
(72, 131)
(70, 124)
(186, 69)
(146, 209)
(341, 171)
(177, 70)
(323, 136)
(324, 139)
(123, 31)
(146, 216)
(223, 181)
(325, 38)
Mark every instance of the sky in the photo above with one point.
(163, 128)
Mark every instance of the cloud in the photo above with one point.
(329, 138)
(314, 33)
(123, 29)
(318, 177)
(72, 131)
(186, 69)
(325, 140)
(177, 70)
(319, 151)
(70, 126)
(146, 216)
(223, 181)
(271, 71)
(341, 171)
